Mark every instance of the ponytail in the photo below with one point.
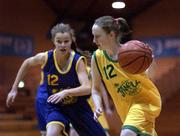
(124, 27)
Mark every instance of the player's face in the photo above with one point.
(101, 38)
(62, 42)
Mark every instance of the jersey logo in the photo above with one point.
(128, 87)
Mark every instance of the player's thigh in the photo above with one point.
(57, 122)
(128, 132)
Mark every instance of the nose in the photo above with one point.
(63, 44)
(94, 40)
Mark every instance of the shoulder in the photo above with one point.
(78, 57)
(80, 60)
(44, 54)
(42, 57)
(97, 53)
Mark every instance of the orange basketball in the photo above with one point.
(135, 56)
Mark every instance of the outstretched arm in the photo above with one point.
(39, 59)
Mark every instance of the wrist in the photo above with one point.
(14, 89)
(66, 93)
(99, 107)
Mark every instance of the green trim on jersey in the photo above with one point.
(136, 130)
(108, 57)
(95, 58)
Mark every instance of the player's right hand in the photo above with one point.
(11, 97)
(98, 112)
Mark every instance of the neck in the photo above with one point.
(113, 50)
(63, 60)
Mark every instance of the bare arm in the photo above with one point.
(105, 99)
(84, 88)
(151, 71)
(96, 89)
(39, 59)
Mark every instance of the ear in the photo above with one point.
(112, 34)
(74, 39)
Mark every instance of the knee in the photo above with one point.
(128, 132)
(43, 133)
(54, 130)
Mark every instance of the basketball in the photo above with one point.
(135, 56)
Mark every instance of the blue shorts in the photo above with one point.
(41, 112)
(79, 115)
(56, 117)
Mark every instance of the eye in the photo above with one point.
(96, 36)
(58, 41)
(66, 41)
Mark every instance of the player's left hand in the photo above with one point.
(98, 112)
(56, 98)
(11, 97)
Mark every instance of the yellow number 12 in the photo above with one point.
(52, 80)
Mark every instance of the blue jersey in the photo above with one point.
(72, 109)
(42, 92)
(56, 80)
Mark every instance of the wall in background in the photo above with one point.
(26, 18)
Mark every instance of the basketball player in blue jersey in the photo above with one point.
(66, 81)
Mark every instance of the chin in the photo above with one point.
(99, 47)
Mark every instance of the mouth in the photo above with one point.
(63, 50)
(97, 44)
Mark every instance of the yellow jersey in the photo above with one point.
(127, 90)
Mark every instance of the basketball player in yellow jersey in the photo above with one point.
(136, 98)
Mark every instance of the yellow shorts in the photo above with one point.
(141, 120)
(102, 120)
